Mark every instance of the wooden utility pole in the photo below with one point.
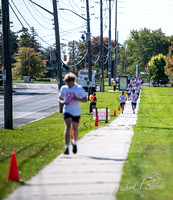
(89, 48)
(58, 50)
(8, 113)
(101, 46)
(109, 47)
(116, 44)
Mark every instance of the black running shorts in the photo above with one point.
(74, 118)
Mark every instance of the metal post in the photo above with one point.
(8, 114)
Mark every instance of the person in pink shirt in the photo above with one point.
(71, 95)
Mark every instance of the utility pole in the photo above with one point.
(101, 46)
(89, 49)
(109, 46)
(8, 113)
(117, 54)
(124, 60)
(73, 58)
(116, 43)
(58, 50)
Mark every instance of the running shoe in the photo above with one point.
(66, 151)
(74, 148)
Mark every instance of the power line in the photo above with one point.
(35, 10)
(16, 15)
(34, 17)
(21, 15)
(28, 24)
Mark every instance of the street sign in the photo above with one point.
(50, 68)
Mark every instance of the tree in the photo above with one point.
(28, 40)
(141, 46)
(28, 60)
(80, 50)
(169, 65)
(156, 69)
(14, 42)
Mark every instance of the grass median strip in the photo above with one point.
(147, 173)
(38, 143)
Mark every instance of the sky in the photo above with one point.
(132, 14)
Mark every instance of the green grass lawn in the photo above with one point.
(38, 143)
(150, 160)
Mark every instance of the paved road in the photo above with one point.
(31, 102)
(93, 174)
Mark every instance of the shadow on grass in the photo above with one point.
(156, 127)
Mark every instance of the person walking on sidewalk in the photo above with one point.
(93, 102)
(123, 99)
(134, 98)
(70, 96)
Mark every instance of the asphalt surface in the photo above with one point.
(94, 173)
(31, 102)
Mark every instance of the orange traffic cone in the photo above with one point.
(118, 107)
(114, 112)
(96, 122)
(13, 174)
(71, 133)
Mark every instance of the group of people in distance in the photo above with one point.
(71, 95)
(133, 91)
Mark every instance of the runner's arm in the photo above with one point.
(84, 99)
(61, 101)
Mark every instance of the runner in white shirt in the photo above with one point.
(70, 96)
(123, 99)
(129, 90)
(134, 98)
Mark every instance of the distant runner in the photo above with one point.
(70, 96)
(123, 99)
(134, 98)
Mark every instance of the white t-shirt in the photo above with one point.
(67, 94)
(122, 98)
(134, 97)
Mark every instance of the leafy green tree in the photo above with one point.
(169, 65)
(156, 68)
(141, 46)
(80, 49)
(14, 42)
(28, 62)
(28, 40)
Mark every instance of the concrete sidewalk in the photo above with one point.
(93, 173)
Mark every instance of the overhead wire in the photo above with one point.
(16, 15)
(35, 10)
(29, 24)
(34, 17)
(21, 14)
